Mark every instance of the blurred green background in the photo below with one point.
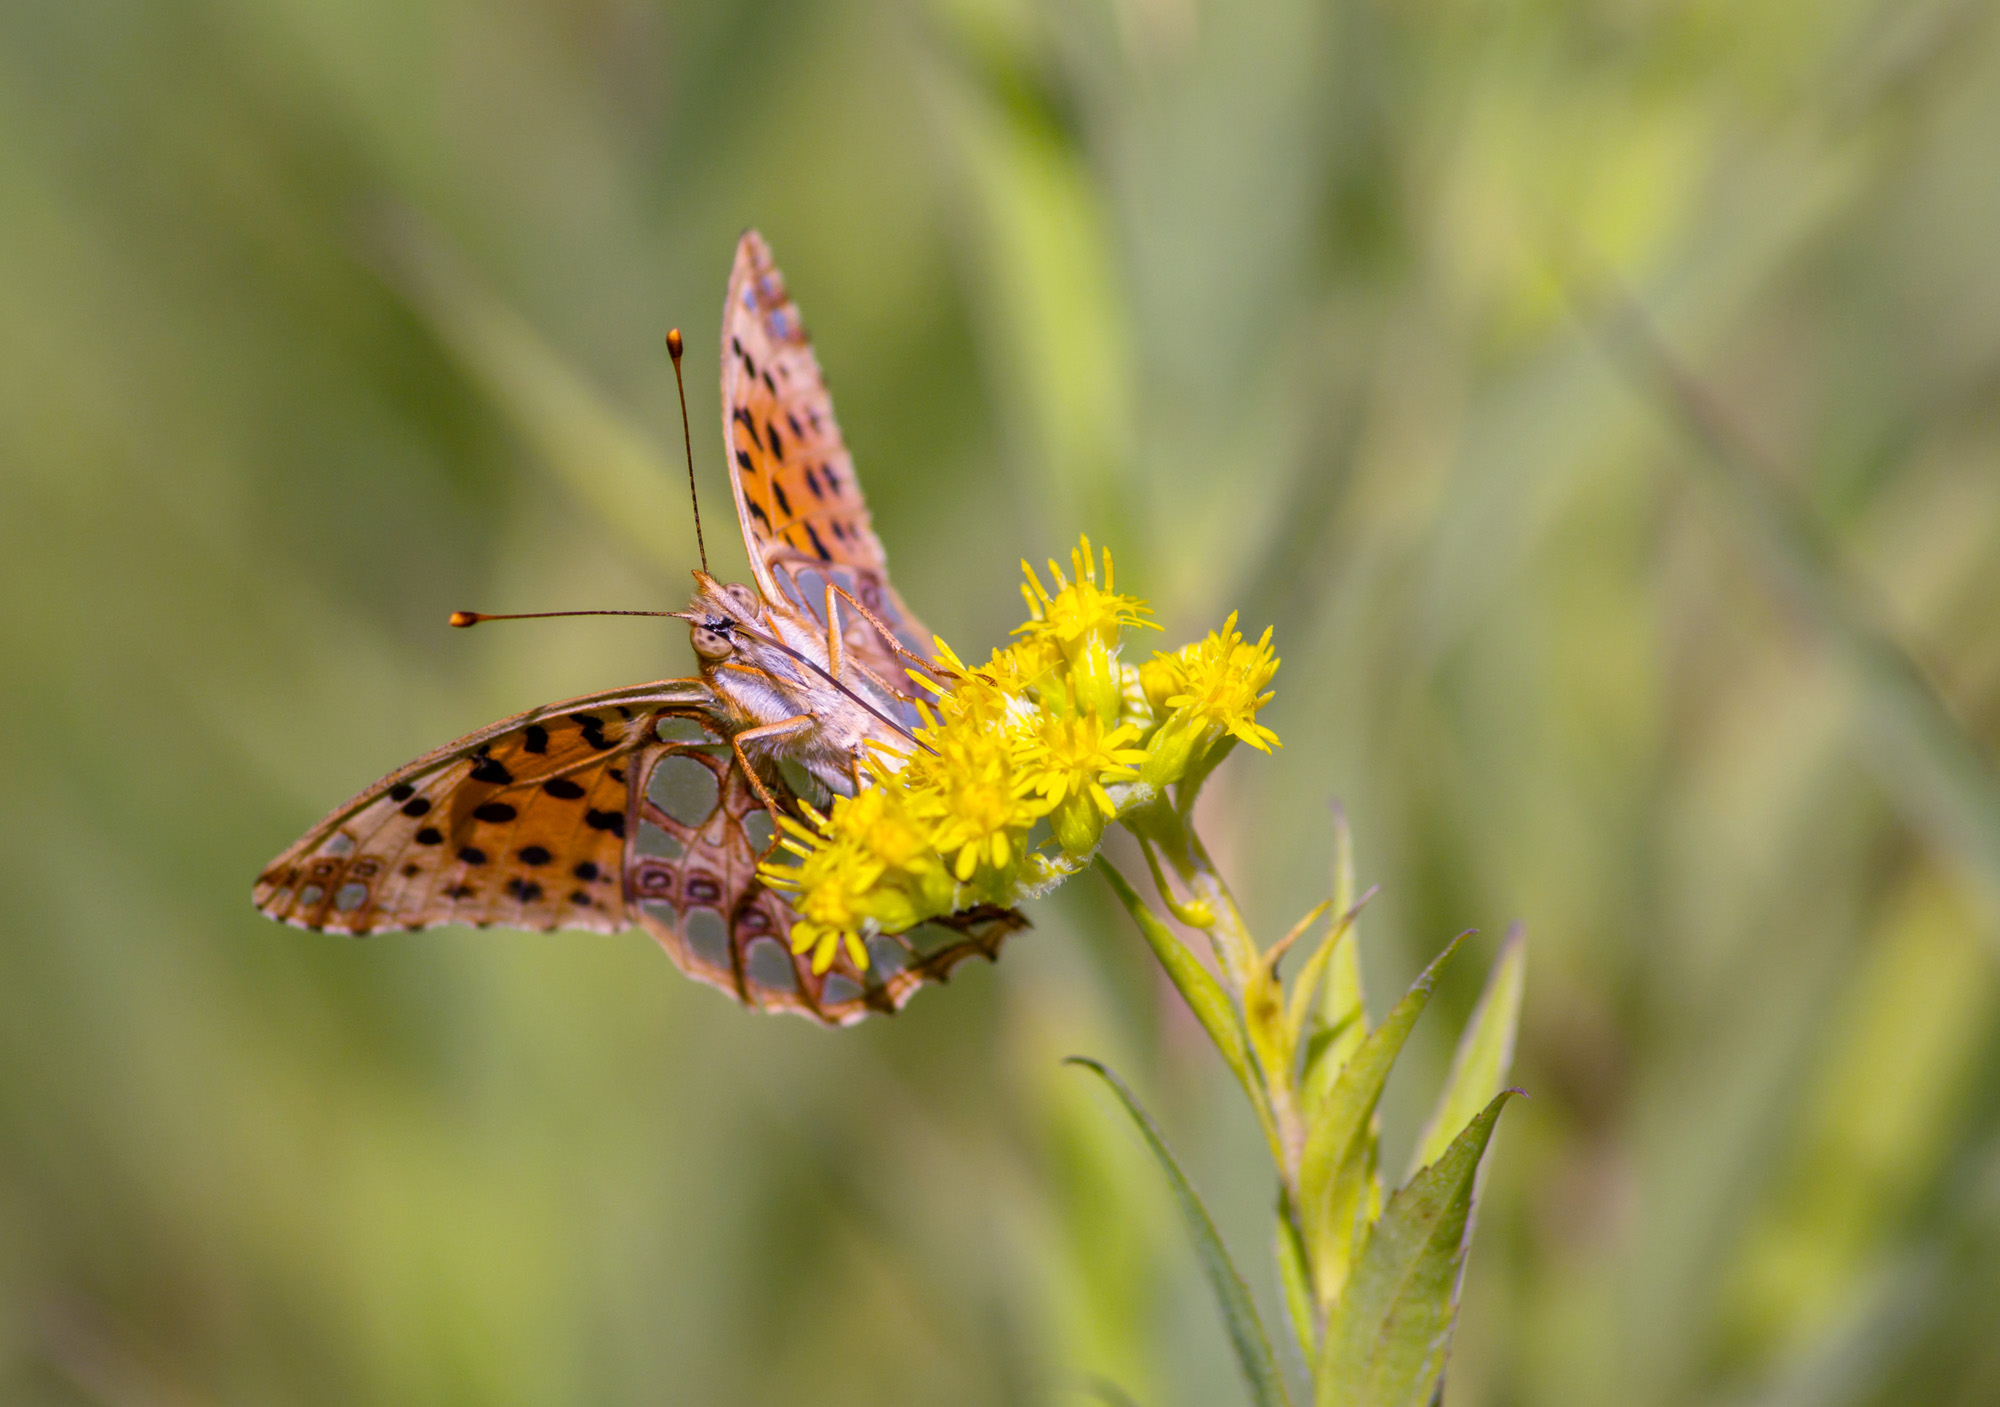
(319, 320)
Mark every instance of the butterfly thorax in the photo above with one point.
(769, 665)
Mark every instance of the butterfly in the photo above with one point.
(652, 805)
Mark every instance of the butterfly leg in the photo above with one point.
(889, 636)
(835, 646)
(784, 727)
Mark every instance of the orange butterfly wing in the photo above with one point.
(804, 519)
(509, 825)
(603, 812)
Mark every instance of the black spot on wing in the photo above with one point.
(402, 791)
(818, 546)
(778, 492)
(535, 738)
(496, 812)
(535, 855)
(613, 821)
(417, 806)
(488, 769)
(430, 835)
(472, 855)
(563, 788)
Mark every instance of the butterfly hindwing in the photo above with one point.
(692, 882)
(603, 812)
(805, 521)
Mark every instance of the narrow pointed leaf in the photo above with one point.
(1239, 1313)
(1387, 1340)
(1197, 986)
(1300, 1005)
(1338, 1163)
(1341, 995)
(1485, 1052)
(1295, 1280)
(1265, 1020)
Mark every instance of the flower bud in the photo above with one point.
(1077, 824)
(1099, 687)
(1171, 750)
(1162, 679)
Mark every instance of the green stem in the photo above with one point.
(1235, 952)
(1243, 975)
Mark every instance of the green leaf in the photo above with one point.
(1351, 1019)
(1197, 986)
(1239, 1314)
(1295, 1280)
(1485, 1052)
(1341, 997)
(1273, 1037)
(1336, 1170)
(1387, 1341)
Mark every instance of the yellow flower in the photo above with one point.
(869, 865)
(829, 886)
(1223, 683)
(1079, 611)
(1213, 689)
(1039, 730)
(968, 790)
(1068, 765)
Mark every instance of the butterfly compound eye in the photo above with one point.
(711, 644)
(743, 597)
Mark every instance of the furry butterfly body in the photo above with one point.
(650, 806)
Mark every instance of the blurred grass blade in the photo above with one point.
(1485, 1052)
(1196, 984)
(1239, 1314)
(1336, 1170)
(1922, 754)
(1108, 1392)
(597, 452)
(1387, 1341)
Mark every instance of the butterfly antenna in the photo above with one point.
(465, 620)
(687, 443)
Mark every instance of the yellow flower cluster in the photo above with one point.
(1054, 732)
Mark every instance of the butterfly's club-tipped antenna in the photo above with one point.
(465, 620)
(687, 443)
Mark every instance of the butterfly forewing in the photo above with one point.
(805, 521)
(523, 823)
